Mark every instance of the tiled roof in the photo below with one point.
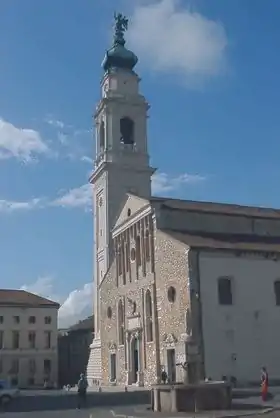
(11, 297)
(220, 208)
(227, 241)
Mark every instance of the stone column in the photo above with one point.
(128, 348)
(140, 376)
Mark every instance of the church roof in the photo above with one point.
(226, 241)
(220, 208)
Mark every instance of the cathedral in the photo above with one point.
(176, 281)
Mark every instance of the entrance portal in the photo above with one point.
(171, 365)
(113, 368)
(135, 359)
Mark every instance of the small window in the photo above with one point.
(132, 254)
(48, 320)
(47, 366)
(32, 320)
(224, 291)
(1, 319)
(277, 292)
(32, 366)
(32, 339)
(15, 340)
(16, 319)
(128, 212)
(102, 136)
(14, 366)
(171, 294)
(109, 312)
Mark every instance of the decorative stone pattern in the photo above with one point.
(169, 319)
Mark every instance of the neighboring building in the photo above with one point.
(175, 280)
(73, 351)
(28, 338)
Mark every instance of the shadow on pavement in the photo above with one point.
(247, 407)
(69, 401)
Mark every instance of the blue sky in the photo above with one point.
(210, 71)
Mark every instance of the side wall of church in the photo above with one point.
(171, 268)
(240, 336)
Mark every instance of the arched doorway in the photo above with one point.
(135, 359)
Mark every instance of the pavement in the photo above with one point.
(131, 404)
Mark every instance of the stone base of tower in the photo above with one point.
(94, 370)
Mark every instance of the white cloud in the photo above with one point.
(78, 305)
(77, 197)
(43, 286)
(75, 306)
(87, 159)
(163, 183)
(55, 123)
(20, 143)
(81, 197)
(11, 206)
(177, 40)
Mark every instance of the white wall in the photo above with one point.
(25, 353)
(250, 328)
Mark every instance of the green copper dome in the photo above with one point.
(118, 56)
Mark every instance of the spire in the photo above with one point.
(118, 56)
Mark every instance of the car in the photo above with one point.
(7, 392)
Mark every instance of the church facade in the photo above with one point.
(175, 281)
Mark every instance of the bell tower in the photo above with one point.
(121, 162)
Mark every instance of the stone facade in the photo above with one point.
(156, 292)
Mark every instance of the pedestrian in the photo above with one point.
(264, 383)
(82, 391)
(163, 375)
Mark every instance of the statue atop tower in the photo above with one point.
(118, 56)
(121, 26)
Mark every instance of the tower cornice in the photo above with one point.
(120, 99)
(108, 165)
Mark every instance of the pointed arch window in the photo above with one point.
(121, 322)
(102, 135)
(120, 260)
(188, 322)
(149, 316)
(147, 246)
(127, 131)
(138, 251)
(127, 257)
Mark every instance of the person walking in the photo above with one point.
(264, 383)
(82, 391)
